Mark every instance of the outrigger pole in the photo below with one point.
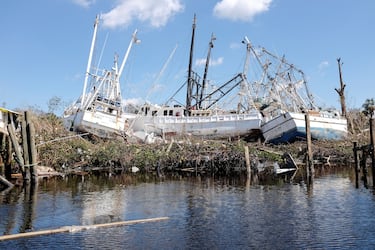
(89, 61)
(133, 40)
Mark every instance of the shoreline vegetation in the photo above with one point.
(76, 153)
(64, 152)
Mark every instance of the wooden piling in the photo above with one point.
(247, 159)
(2, 150)
(372, 149)
(8, 158)
(356, 165)
(32, 152)
(19, 157)
(25, 148)
(309, 158)
(8, 152)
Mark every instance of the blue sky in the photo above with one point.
(45, 44)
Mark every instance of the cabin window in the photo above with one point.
(165, 112)
(154, 113)
(170, 112)
(146, 110)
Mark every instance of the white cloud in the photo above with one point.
(157, 13)
(202, 61)
(84, 3)
(323, 65)
(241, 10)
(133, 101)
(235, 45)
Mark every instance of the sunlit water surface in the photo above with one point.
(204, 213)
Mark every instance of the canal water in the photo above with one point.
(204, 213)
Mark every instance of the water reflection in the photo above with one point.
(218, 213)
(16, 202)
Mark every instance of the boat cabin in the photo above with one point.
(176, 110)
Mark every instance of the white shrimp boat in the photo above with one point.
(99, 110)
(169, 121)
(199, 117)
(290, 126)
(284, 99)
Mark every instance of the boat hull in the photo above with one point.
(213, 126)
(290, 127)
(101, 124)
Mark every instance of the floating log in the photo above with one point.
(73, 229)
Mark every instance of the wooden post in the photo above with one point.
(16, 149)
(26, 173)
(363, 164)
(8, 158)
(2, 150)
(309, 162)
(372, 151)
(247, 159)
(356, 166)
(32, 152)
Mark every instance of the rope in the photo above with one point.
(62, 138)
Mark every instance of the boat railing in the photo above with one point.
(202, 119)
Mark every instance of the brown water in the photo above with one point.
(204, 213)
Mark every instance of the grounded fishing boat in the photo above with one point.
(290, 126)
(284, 99)
(200, 116)
(169, 121)
(99, 110)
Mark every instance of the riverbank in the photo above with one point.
(66, 152)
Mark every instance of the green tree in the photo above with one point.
(369, 107)
(54, 104)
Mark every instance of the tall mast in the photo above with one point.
(244, 98)
(89, 61)
(190, 80)
(248, 50)
(210, 46)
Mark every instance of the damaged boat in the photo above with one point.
(200, 116)
(99, 110)
(283, 97)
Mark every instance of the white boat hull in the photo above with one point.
(290, 126)
(102, 124)
(213, 126)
